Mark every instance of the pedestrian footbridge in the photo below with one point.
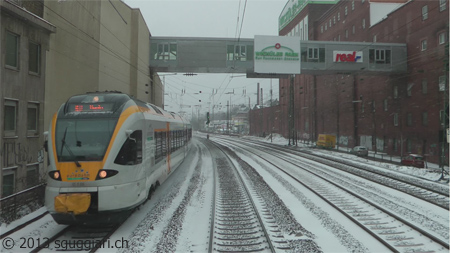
(274, 56)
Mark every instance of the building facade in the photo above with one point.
(98, 46)
(52, 50)
(24, 43)
(396, 113)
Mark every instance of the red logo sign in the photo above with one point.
(347, 56)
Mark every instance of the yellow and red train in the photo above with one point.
(107, 152)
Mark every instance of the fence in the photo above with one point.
(22, 203)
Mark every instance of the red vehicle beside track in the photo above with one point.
(413, 160)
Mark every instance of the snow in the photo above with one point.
(186, 193)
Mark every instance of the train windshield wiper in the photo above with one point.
(68, 149)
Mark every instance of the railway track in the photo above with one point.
(426, 191)
(238, 225)
(396, 233)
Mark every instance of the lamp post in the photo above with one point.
(229, 112)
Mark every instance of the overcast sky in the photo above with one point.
(211, 18)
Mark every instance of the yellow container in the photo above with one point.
(326, 141)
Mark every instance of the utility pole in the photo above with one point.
(271, 111)
(445, 116)
(443, 135)
(291, 123)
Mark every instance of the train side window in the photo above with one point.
(131, 151)
(173, 137)
(163, 143)
(158, 151)
(161, 147)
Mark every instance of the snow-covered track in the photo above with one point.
(430, 192)
(393, 231)
(19, 227)
(81, 239)
(238, 225)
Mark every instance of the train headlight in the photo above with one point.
(55, 175)
(102, 174)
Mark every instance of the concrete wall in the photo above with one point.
(99, 45)
(73, 59)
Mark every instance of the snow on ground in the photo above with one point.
(145, 228)
(390, 162)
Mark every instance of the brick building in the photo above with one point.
(391, 113)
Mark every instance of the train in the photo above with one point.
(107, 152)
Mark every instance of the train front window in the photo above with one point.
(83, 139)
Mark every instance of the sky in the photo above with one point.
(217, 19)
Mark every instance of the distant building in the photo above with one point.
(394, 114)
(24, 43)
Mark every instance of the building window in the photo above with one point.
(167, 51)
(364, 23)
(321, 29)
(339, 37)
(385, 104)
(237, 53)
(34, 58)
(362, 1)
(334, 20)
(32, 117)
(425, 12)
(409, 89)
(394, 144)
(395, 91)
(326, 26)
(8, 182)
(32, 175)
(373, 106)
(375, 38)
(381, 56)
(395, 119)
(425, 118)
(353, 29)
(408, 145)
(442, 38)
(423, 45)
(313, 53)
(409, 119)
(442, 81)
(346, 33)
(329, 23)
(12, 50)
(339, 16)
(10, 122)
(424, 86)
(442, 5)
(353, 5)
(345, 11)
